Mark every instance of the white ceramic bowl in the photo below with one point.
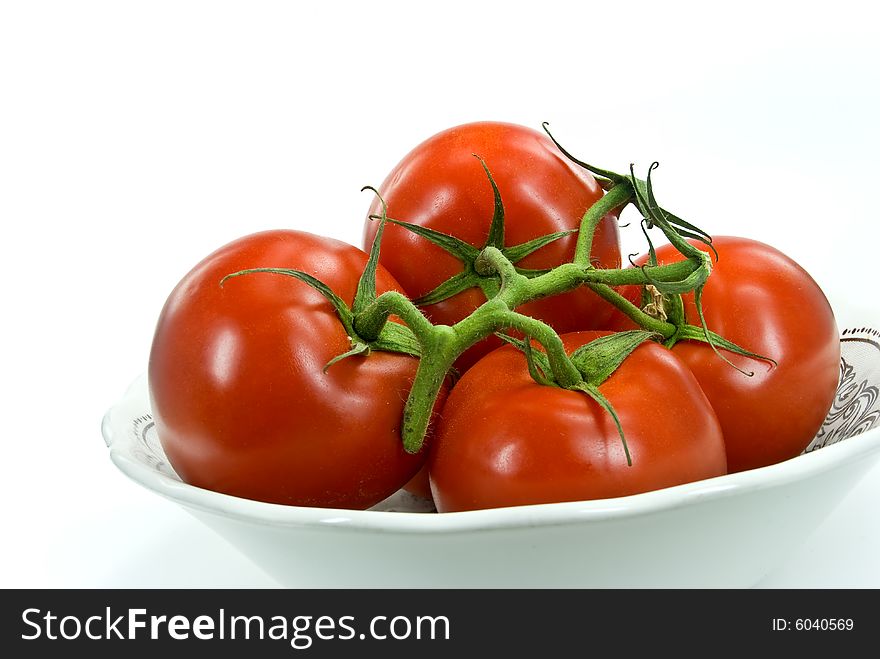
(727, 531)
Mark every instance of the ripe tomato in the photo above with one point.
(440, 185)
(505, 440)
(238, 394)
(764, 302)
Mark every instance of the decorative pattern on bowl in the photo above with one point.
(856, 406)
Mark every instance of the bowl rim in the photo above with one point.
(800, 467)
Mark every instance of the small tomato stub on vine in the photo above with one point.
(239, 394)
(505, 440)
(441, 186)
(763, 301)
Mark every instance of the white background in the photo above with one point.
(137, 137)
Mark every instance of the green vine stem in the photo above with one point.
(441, 345)
(369, 323)
(617, 197)
(634, 313)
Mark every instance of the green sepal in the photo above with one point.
(536, 360)
(599, 358)
(645, 190)
(672, 219)
(690, 283)
(605, 404)
(496, 228)
(693, 333)
(467, 278)
(461, 250)
(366, 288)
(519, 252)
(357, 348)
(651, 211)
(395, 337)
(652, 252)
(708, 335)
(541, 374)
(453, 286)
(339, 305)
(539, 367)
(605, 177)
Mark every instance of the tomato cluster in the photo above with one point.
(295, 369)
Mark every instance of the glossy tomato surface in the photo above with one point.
(440, 185)
(763, 301)
(506, 441)
(238, 394)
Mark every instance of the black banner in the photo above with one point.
(428, 623)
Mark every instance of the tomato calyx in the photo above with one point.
(393, 337)
(596, 361)
(470, 276)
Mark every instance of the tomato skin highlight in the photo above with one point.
(506, 441)
(765, 302)
(440, 185)
(238, 394)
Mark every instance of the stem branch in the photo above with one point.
(619, 195)
(632, 312)
(369, 322)
(564, 371)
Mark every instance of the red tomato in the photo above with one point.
(764, 302)
(238, 395)
(440, 185)
(506, 441)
